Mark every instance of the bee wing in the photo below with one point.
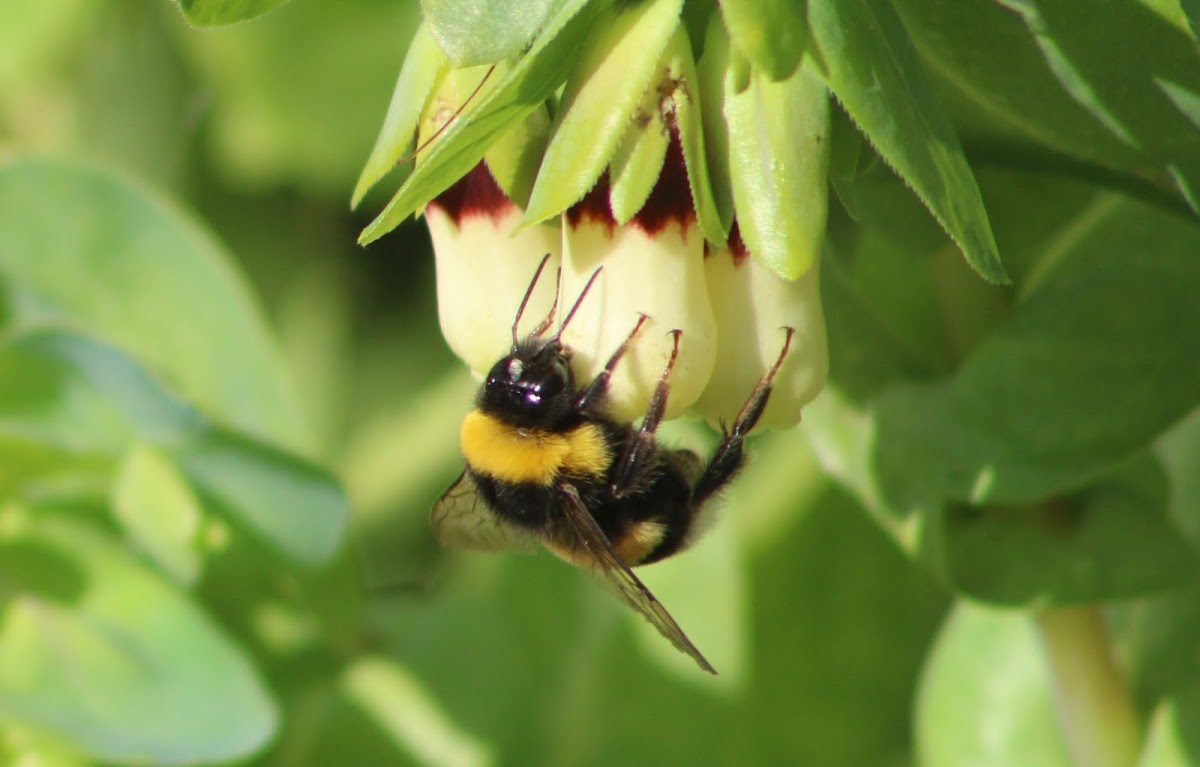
(461, 519)
(617, 576)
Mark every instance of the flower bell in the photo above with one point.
(648, 161)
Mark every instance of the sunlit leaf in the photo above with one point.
(80, 247)
(290, 502)
(158, 509)
(524, 88)
(129, 670)
(484, 31)
(778, 163)
(867, 60)
(618, 63)
(985, 695)
(772, 33)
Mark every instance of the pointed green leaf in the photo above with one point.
(524, 88)
(620, 60)
(638, 160)
(867, 60)
(772, 33)
(681, 71)
(514, 159)
(128, 670)
(424, 66)
(778, 161)
(158, 510)
(213, 13)
(710, 76)
(473, 32)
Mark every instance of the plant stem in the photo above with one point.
(1094, 705)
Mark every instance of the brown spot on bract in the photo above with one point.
(671, 199)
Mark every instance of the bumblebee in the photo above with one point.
(546, 464)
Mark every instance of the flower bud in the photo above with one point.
(752, 305)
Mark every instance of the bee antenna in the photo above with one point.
(525, 301)
(545, 324)
(578, 301)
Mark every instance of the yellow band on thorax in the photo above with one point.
(510, 454)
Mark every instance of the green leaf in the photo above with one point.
(867, 60)
(710, 76)
(64, 392)
(772, 33)
(158, 510)
(129, 671)
(524, 88)
(1135, 72)
(985, 696)
(1070, 383)
(638, 160)
(291, 503)
(80, 247)
(685, 103)
(212, 13)
(82, 397)
(618, 63)
(1111, 540)
(1173, 730)
(514, 159)
(424, 66)
(473, 32)
(778, 161)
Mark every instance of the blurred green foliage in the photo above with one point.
(222, 423)
(193, 185)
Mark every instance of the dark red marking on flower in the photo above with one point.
(736, 249)
(671, 199)
(594, 207)
(737, 246)
(475, 194)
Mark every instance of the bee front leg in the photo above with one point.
(596, 390)
(642, 443)
(729, 457)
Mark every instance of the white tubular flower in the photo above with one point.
(482, 271)
(654, 265)
(606, 143)
(752, 306)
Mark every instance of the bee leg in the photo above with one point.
(596, 390)
(643, 441)
(729, 456)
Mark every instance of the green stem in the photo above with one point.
(1094, 705)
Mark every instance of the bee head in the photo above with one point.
(532, 387)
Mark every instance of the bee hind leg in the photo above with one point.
(729, 456)
(643, 442)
